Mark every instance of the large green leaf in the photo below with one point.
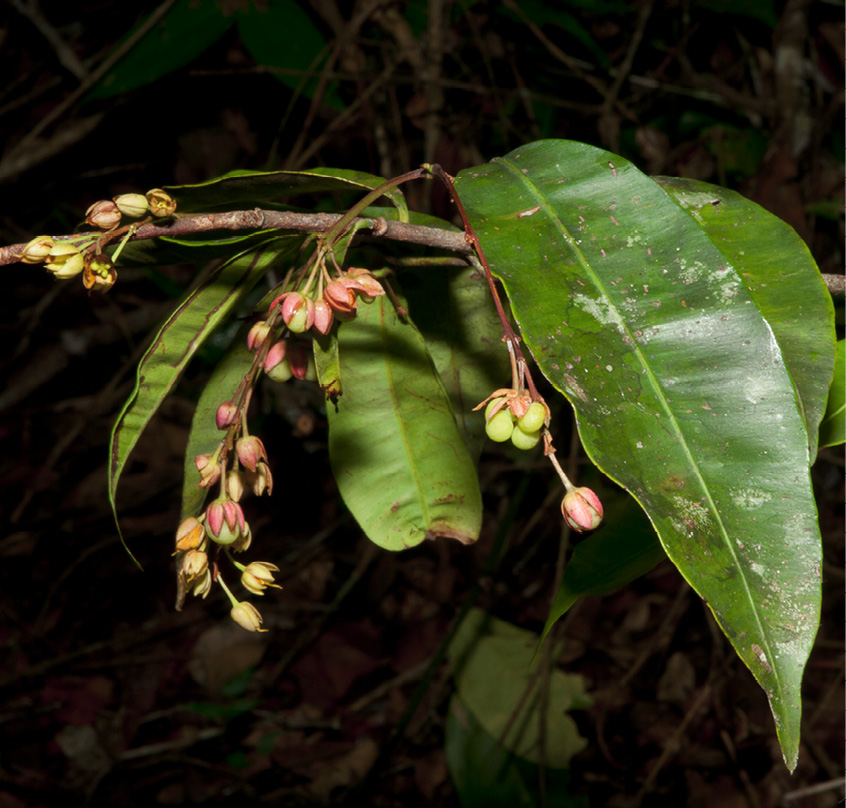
(398, 458)
(251, 187)
(194, 319)
(782, 279)
(185, 31)
(679, 386)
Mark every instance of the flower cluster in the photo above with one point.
(239, 462)
(67, 258)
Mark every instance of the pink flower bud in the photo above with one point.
(257, 335)
(260, 480)
(224, 521)
(209, 471)
(298, 312)
(226, 415)
(250, 451)
(581, 509)
(323, 316)
(340, 297)
(363, 282)
(298, 359)
(103, 215)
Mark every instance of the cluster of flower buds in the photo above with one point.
(107, 213)
(240, 460)
(339, 301)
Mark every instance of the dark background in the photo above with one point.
(109, 696)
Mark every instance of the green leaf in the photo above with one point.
(490, 661)
(396, 452)
(487, 776)
(455, 313)
(185, 31)
(833, 426)
(679, 386)
(624, 549)
(200, 312)
(783, 280)
(278, 33)
(251, 187)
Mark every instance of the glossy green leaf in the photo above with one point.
(833, 426)
(240, 188)
(624, 549)
(783, 280)
(196, 317)
(455, 313)
(679, 386)
(487, 776)
(490, 660)
(185, 31)
(398, 458)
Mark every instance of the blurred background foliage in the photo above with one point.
(111, 696)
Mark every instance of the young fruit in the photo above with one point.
(489, 409)
(523, 439)
(500, 427)
(533, 420)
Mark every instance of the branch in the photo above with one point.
(258, 219)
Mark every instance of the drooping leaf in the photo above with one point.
(491, 663)
(185, 31)
(679, 386)
(833, 426)
(234, 190)
(396, 453)
(196, 317)
(454, 311)
(783, 280)
(487, 776)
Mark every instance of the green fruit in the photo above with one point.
(500, 427)
(491, 404)
(281, 372)
(524, 440)
(299, 322)
(533, 420)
